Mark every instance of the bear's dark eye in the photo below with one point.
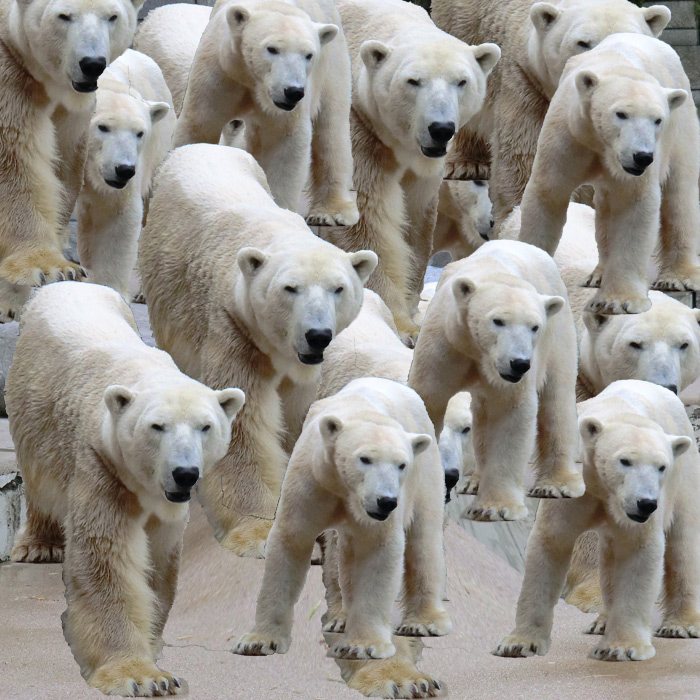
(103, 128)
(290, 289)
(365, 460)
(413, 81)
(636, 346)
(461, 83)
(466, 431)
(272, 50)
(64, 17)
(662, 468)
(113, 18)
(340, 290)
(309, 56)
(402, 467)
(139, 135)
(498, 322)
(625, 463)
(479, 183)
(206, 428)
(584, 44)
(620, 115)
(684, 346)
(658, 122)
(535, 329)
(158, 427)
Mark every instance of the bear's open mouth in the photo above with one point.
(434, 151)
(178, 496)
(310, 359)
(286, 106)
(637, 518)
(117, 184)
(634, 171)
(510, 378)
(378, 516)
(88, 86)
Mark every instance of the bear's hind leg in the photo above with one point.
(41, 539)
(582, 587)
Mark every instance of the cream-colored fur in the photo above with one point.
(100, 454)
(398, 163)
(537, 38)
(367, 466)
(249, 54)
(500, 326)
(45, 109)
(241, 291)
(625, 100)
(133, 126)
(642, 474)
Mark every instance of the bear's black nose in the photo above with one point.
(319, 338)
(294, 93)
(671, 387)
(451, 479)
(93, 66)
(441, 132)
(643, 159)
(386, 504)
(185, 477)
(646, 506)
(125, 172)
(519, 367)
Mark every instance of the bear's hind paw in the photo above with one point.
(633, 305)
(38, 553)
(141, 680)
(597, 626)
(679, 630)
(336, 625)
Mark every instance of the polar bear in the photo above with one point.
(622, 120)
(537, 39)
(130, 134)
(500, 326)
(109, 458)
(241, 291)
(464, 218)
(366, 465)
(642, 474)
(51, 55)
(413, 85)
(283, 68)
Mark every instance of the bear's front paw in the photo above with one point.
(435, 624)
(40, 267)
(593, 280)
(623, 651)
(598, 625)
(494, 512)
(254, 644)
(458, 169)
(395, 679)
(608, 304)
(569, 486)
(37, 552)
(683, 278)
(357, 650)
(408, 331)
(517, 647)
(470, 487)
(335, 624)
(688, 626)
(341, 214)
(136, 679)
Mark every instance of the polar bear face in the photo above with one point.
(301, 299)
(629, 116)
(421, 93)
(119, 129)
(455, 442)
(567, 28)
(633, 460)
(373, 458)
(167, 438)
(280, 51)
(661, 345)
(73, 41)
(502, 324)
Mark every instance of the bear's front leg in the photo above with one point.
(335, 617)
(468, 158)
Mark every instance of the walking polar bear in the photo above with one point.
(109, 457)
(367, 466)
(623, 121)
(241, 291)
(500, 326)
(413, 86)
(537, 39)
(51, 56)
(130, 134)
(642, 474)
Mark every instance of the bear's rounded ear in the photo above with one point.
(680, 444)
(364, 262)
(657, 17)
(251, 260)
(590, 429)
(326, 32)
(487, 56)
(118, 399)
(136, 3)
(420, 442)
(553, 305)
(236, 16)
(594, 322)
(373, 53)
(330, 426)
(463, 287)
(586, 83)
(231, 400)
(543, 16)
(676, 98)
(158, 110)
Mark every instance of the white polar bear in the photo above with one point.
(109, 457)
(642, 474)
(622, 120)
(500, 326)
(241, 291)
(366, 465)
(464, 218)
(130, 134)
(282, 67)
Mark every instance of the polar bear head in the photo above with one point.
(280, 47)
(630, 460)
(661, 345)
(300, 299)
(119, 128)
(629, 113)
(419, 93)
(569, 27)
(455, 442)
(501, 322)
(164, 438)
(69, 43)
(373, 455)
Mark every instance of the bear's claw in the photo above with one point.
(678, 631)
(255, 645)
(336, 625)
(597, 626)
(358, 651)
(515, 647)
(605, 306)
(623, 652)
(495, 513)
